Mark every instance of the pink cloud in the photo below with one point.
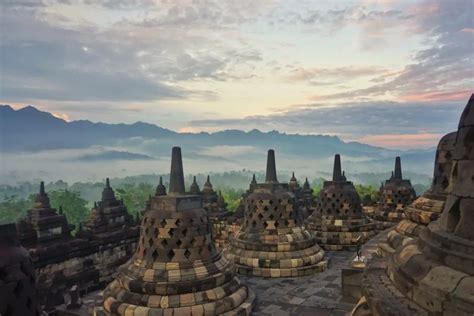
(403, 141)
(456, 95)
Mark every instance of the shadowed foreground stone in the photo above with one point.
(434, 274)
(338, 220)
(17, 276)
(272, 241)
(176, 269)
(395, 195)
(428, 207)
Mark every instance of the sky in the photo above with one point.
(388, 73)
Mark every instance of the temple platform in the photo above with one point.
(319, 294)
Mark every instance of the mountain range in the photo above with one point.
(39, 136)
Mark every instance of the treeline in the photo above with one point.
(77, 200)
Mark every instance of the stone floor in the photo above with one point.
(317, 295)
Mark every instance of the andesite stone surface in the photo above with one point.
(176, 268)
(338, 221)
(434, 273)
(17, 276)
(272, 241)
(428, 207)
(395, 195)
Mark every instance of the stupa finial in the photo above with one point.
(398, 169)
(176, 174)
(271, 176)
(336, 173)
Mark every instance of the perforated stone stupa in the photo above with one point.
(176, 269)
(272, 241)
(338, 220)
(429, 206)
(434, 274)
(17, 276)
(395, 195)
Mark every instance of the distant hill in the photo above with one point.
(52, 145)
(29, 129)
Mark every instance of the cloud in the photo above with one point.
(51, 57)
(355, 121)
(335, 75)
(441, 72)
(414, 141)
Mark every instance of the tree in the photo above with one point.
(135, 196)
(232, 197)
(73, 205)
(367, 190)
(12, 208)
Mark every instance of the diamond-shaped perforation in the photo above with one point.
(164, 243)
(187, 253)
(185, 231)
(163, 223)
(154, 255)
(170, 254)
(179, 242)
(178, 222)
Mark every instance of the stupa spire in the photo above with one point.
(271, 176)
(176, 174)
(336, 173)
(398, 169)
(41, 190)
(254, 180)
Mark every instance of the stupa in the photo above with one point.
(429, 206)
(238, 215)
(46, 234)
(109, 219)
(176, 269)
(272, 241)
(17, 276)
(396, 194)
(160, 188)
(434, 273)
(43, 226)
(338, 221)
(220, 227)
(308, 199)
(194, 189)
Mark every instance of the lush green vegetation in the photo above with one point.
(73, 205)
(134, 196)
(78, 198)
(13, 207)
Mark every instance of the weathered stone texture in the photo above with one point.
(338, 221)
(435, 271)
(17, 276)
(176, 268)
(272, 241)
